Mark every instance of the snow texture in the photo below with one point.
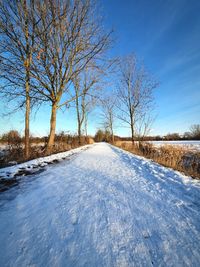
(189, 145)
(33, 165)
(101, 207)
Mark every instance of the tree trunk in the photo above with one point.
(51, 139)
(27, 85)
(27, 119)
(79, 133)
(132, 125)
(78, 119)
(132, 133)
(86, 126)
(113, 139)
(111, 128)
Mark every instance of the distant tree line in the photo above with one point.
(105, 136)
(192, 134)
(14, 138)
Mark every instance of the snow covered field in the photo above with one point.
(101, 207)
(189, 145)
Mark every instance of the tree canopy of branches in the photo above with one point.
(44, 45)
(108, 106)
(53, 52)
(135, 94)
(17, 38)
(85, 85)
(70, 36)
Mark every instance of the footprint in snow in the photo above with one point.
(74, 217)
(146, 234)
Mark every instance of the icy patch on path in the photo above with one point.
(107, 207)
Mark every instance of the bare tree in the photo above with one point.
(89, 107)
(108, 105)
(84, 85)
(135, 92)
(99, 76)
(195, 131)
(143, 125)
(69, 37)
(17, 36)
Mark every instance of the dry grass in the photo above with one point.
(175, 157)
(15, 150)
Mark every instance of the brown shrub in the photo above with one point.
(175, 157)
(15, 148)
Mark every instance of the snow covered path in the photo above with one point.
(101, 207)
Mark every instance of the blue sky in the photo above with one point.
(165, 34)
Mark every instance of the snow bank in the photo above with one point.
(32, 165)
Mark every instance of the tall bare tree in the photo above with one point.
(17, 36)
(135, 93)
(89, 107)
(108, 106)
(89, 86)
(84, 86)
(65, 47)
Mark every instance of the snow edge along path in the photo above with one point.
(167, 170)
(11, 171)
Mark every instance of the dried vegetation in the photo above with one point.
(176, 157)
